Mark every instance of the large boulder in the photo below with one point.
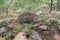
(28, 17)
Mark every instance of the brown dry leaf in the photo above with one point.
(14, 16)
(57, 37)
(20, 36)
(2, 38)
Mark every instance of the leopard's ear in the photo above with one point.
(20, 36)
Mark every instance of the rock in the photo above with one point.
(36, 25)
(1, 20)
(39, 12)
(46, 32)
(43, 27)
(45, 8)
(56, 12)
(3, 29)
(35, 36)
(28, 17)
(25, 29)
(11, 25)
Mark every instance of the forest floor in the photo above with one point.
(48, 28)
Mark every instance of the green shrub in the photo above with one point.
(48, 22)
(3, 24)
(30, 28)
(16, 29)
(7, 35)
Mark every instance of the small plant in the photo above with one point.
(8, 35)
(3, 24)
(16, 29)
(30, 28)
(48, 22)
(0, 24)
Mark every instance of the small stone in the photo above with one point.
(36, 36)
(11, 25)
(43, 27)
(46, 32)
(36, 24)
(3, 29)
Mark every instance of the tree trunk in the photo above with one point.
(51, 5)
(58, 5)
